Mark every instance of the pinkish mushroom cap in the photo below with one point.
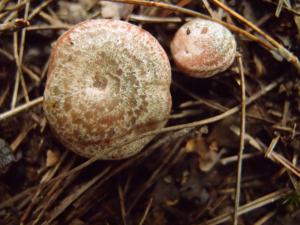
(108, 82)
(203, 48)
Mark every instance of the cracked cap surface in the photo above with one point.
(108, 82)
(203, 48)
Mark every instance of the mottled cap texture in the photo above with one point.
(203, 48)
(108, 82)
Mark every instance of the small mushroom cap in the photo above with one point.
(108, 82)
(203, 48)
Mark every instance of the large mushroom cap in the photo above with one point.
(203, 48)
(108, 82)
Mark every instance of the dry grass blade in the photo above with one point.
(15, 25)
(122, 204)
(146, 212)
(242, 141)
(155, 174)
(290, 57)
(260, 202)
(18, 73)
(25, 69)
(72, 197)
(284, 7)
(38, 9)
(265, 218)
(18, 6)
(30, 190)
(20, 109)
(35, 198)
(3, 4)
(22, 135)
(284, 162)
(156, 19)
(279, 8)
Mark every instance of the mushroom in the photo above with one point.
(203, 48)
(108, 82)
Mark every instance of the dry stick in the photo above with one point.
(10, 16)
(19, 73)
(21, 23)
(52, 195)
(90, 205)
(290, 57)
(279, 8)
(211, 12)
(37, 195)
(204, 101)
(242, 142)
(4, 95)
(146, 212)
(14, 25)
(22, 135)
(123, 166)
(275, 157)
(155, 173)
(285, 113)
(265, 218)
(38, 9)
(14, 8)
(3, 4)
(49, 18)
(67, 201)
(220, 116)
(230, 159)
(2, 15)
(45, 69)
(209, 103)
(271, 147)
(49, 27)
(49, 174)
(85, 204)
(185, 113)
(9, 202)
(18, 6)
(181, 3)
(290, 167)
(260, 202)
(200, 15)
(284, 162)
(290, 130)
(21, 53)
(54, 15)
(24, 86)
(222, 109)
(284, 7)
(28, 71)
(20, 109)
(157, 19)
(122, 204)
